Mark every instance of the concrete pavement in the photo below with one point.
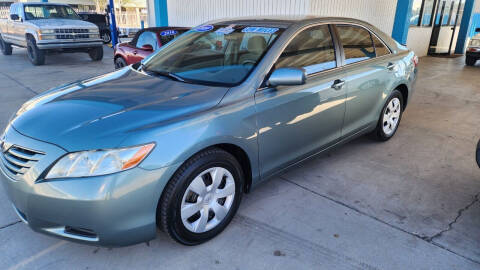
(410, 203)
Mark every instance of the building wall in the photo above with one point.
(195, 12)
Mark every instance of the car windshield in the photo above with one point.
(36, 12)
(214, 54)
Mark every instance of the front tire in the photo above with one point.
(35, 55)
(120, 62)
(470, 61)
(201, 198)
(390, 117)
(96, 54)
(5, 47)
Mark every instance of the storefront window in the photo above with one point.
(428, 11)
(416, 10)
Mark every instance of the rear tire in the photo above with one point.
(390, 117)
(201, 198)
(35, 55)
(96, 54)
(5, 47)
(470, 61)
(120, 62)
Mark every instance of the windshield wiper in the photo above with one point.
(162, 73)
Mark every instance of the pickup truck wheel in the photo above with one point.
(470, 61)
(96, 53)
(5, 47)
(35, 55)
(106, 37)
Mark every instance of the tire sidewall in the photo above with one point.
(176, 226)
(34, 54)
(380, 133)
(118, 59)
(109, 37)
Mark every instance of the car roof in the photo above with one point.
(286, 20)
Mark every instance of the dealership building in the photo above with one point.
(435, 27)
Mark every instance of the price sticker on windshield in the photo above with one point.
(169, 33)
(260, 30)
(203, 28)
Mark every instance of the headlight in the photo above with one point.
(99, 162)
(94, 36)
(47, 31)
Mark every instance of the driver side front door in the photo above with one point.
(297, 121)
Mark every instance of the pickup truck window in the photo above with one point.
(36, 12)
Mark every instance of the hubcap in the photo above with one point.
(207, 200)
(106, 37)
(391, 116)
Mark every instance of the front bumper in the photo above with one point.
(111, 210)
(57, 44)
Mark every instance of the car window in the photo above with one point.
(380, 48)
(168, 35)
(357, 43)
(211, 55)
(149, 38)
(37, 12)
(312, 49)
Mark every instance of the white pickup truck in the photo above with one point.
(45, 27)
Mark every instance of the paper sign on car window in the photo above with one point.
(203, 28)
(168, 32)
(261, 30)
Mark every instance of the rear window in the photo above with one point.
(168, 35)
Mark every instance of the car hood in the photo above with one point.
(101, 112)
(61, 23)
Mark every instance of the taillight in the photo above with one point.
(415, 60)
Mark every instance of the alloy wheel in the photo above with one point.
(207, 200)
(391, 116)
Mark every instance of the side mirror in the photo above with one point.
(477, 30)
(287, 76)
(147, 47)
(14, 17)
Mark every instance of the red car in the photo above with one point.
(144, 43)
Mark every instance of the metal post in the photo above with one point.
(142, 24)
(113, 23)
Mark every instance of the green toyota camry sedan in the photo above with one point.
(174, 141)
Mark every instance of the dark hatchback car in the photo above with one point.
(100, 20)
(144, 43)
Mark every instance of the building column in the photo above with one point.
(160, 12)
(465, 25)
(402, 21)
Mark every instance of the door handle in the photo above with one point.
(391, 66)
(338, 84)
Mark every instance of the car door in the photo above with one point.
(367, 76)
(145, 38)
(297, 121)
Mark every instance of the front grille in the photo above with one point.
(18, 160)
(71, 33)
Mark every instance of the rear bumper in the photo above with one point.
(69, 45)
(111, 210)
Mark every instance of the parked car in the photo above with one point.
(101, 21)
(144, 43)
(44, 27)
(176, 140)
(473, 50)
